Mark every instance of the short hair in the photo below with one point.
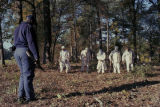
(30, 17)
(116, 47)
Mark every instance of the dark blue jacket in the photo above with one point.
(24, 36)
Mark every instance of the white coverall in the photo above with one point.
(101, 66)
(64, 60)
(127, 57)
(115, 58)
(85, 58)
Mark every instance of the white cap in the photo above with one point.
(62, 47)
(86, 48)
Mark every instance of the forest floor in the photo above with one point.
(82, 89)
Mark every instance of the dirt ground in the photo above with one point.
(82, 89)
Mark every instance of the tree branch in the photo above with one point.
(151, 1)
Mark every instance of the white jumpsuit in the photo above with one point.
(85, 58)
(101, 66)
(115, 58)
(64, 60)
(127, 57)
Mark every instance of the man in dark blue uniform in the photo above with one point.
(24, 41)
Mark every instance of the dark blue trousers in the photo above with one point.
(27, 67)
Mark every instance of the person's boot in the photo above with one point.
(21, 100)
(29, 100)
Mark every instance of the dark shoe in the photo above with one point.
(26, 101)
(34, 99)
(29, 100)
(21, 100)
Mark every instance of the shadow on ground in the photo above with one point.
(109, 89)
(115, 89)
(152, 75)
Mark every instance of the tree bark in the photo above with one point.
(54, 47)
(56, 37)
(1, 46)
(71, 47)
(36, 24)
(134, 29)
(20, 11)
(107, 36)
(151, 46)
(75, 32)
(75, 40)
(47, 30)
(158, 2)
(99, 25)
(90, 40)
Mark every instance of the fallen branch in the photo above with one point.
(100, 102)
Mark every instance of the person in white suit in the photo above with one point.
(85, 59)
(127, 57)
(101, 66)
(115, 59)
(64, 59)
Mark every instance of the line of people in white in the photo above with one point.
(114, 58)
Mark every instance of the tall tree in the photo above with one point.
(134, 26)
(157, 5)
(1, 44)
(47, 30)
(20, 6)
(98, 9)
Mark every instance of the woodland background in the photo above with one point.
(85, 23)
(76, 24)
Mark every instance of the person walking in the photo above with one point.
(64, 59)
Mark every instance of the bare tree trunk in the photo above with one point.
(44, 52)
(1, 46)
(53, 44)
(90, 40)
(56, 37)
(71, 48)
(158, 2)
(150, 45)
(107, 36)
(134, 29)
(75, 32)
(35, 28)
(75, 40)
(135, 38)
(54, 47)
(99, 26)
(47, 30)
(20, 11)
